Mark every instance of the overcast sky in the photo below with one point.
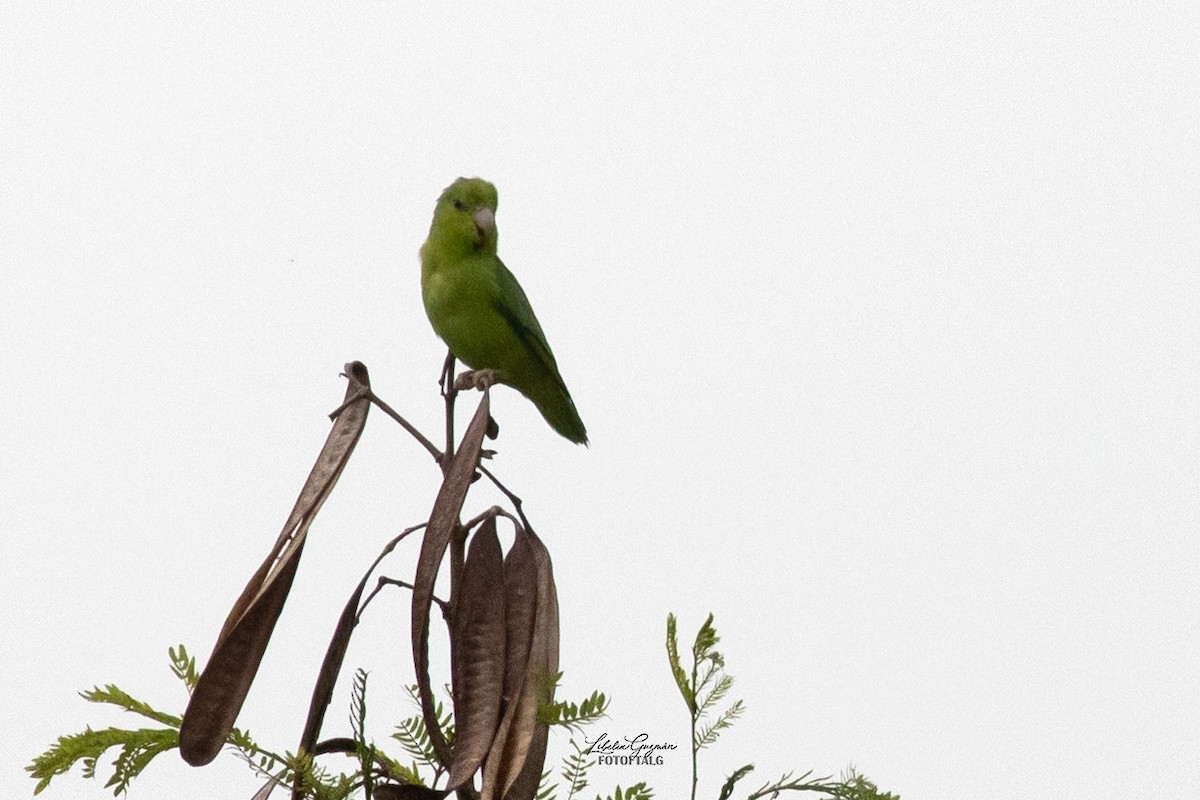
(884, 325)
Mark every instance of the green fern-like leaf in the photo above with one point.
(137, 748)
(251, 753)
(547, 791)
(575, 767)
(709, 734)
(114, 696)
(184, 667)
(723, 684)
(444, 717)
(855, 786)
(706, 640)
(638, 791)
(414, 739)
(731, 781)
(398, 771)
(574, 716)
(789, 784)
(681, 678)
(313, 780)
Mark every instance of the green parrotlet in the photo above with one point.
(477, 307)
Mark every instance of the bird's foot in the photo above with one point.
(480, 379)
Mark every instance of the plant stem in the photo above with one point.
(694, 710)
(449, 393)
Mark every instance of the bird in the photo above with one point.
(477, 307)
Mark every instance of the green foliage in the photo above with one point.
(575, 767)
(703, 685)
(184, 667)
(114, 696)
(137, 748)
(704, 688)
(856, 787)
(789, 784)
(731, 781)
(313, 780)
(681, 678)
(709, 685)
(574, 716)
(638, 791)
(414, 738)
(851, 787)
(264, 762)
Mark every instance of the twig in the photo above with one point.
(364, 391)
(494, 511)
(386, 581)
(449, 393)
(387, 548)
(347, 746)
(369, 393)
(512, 498)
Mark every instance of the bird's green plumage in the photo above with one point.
(476, 305)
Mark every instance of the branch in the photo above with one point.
(367, 392)
(386, 581)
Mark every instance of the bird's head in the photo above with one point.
(465, 216)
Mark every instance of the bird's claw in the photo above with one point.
(480, 379)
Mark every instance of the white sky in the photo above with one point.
(884, 324)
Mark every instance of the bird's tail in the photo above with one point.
(554, 401)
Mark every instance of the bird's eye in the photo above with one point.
(460, 205)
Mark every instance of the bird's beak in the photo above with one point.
(485, 221)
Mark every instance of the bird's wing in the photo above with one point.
(513, 305)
